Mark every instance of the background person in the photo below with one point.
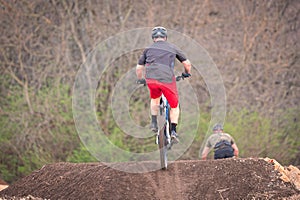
(223, 144)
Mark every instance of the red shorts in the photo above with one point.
(169, 90)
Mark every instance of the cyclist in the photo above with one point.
(223, 144)
(156, 69)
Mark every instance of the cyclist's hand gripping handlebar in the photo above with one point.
(183, 76)
(141, 81)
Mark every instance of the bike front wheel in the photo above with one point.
(162, 140)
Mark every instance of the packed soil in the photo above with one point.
(213, 179)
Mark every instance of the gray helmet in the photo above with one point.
(159, 31)
(217, 127)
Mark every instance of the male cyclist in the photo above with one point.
(223, 144)
(156, 65)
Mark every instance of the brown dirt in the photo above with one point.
(212, 179)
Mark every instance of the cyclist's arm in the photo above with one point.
(236, 150)
(140, 71)
(205, 153)
(187, 66)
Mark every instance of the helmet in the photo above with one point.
(159, 31)
(217, 127)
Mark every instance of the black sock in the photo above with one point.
(154, 119)
(173, 127)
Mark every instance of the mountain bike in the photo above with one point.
(163, 136)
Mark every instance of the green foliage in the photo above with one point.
(251, 131)
(287, 135)
(128, 143)
(260, 136)
(30, 140)
(8, 167)
(81, 155)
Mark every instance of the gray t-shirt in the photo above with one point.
(159, 60)
(217, 137)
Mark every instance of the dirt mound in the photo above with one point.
(212, 179)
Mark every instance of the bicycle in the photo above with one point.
(163, 136)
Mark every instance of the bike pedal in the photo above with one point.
(174, 141)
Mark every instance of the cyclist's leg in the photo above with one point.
(154, 88)
(170, 92)
(155, 106)
(155, 94)
(154, 112)
(174, 114)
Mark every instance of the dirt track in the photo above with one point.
(221, 179)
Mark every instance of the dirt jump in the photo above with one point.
(234, 178)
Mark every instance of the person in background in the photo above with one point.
(156, 69)
(222, 143)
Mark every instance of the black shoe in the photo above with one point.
(153, 127)
(174, 138)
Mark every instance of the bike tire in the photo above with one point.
(163, 149)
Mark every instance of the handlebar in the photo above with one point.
(183, 76)
(178, 78)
